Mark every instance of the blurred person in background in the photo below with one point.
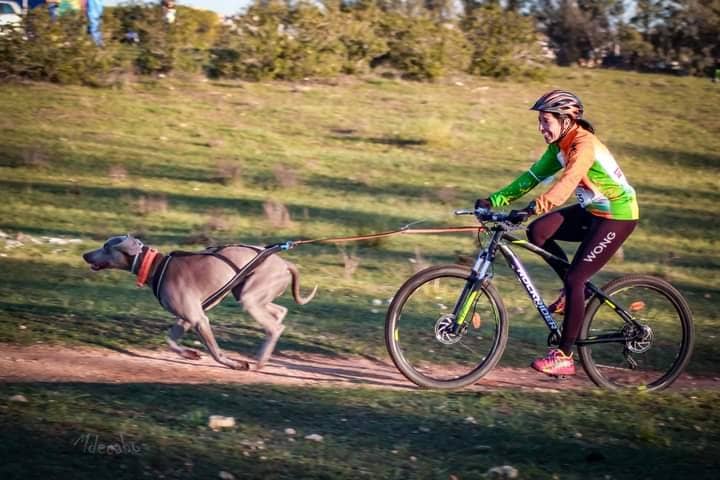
(94, 16)
(168, 7)
(65, 6)
(93, 10)
(53, 9)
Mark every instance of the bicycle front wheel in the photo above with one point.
(417, 338)
(650, 356)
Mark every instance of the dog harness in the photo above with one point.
(153, 266)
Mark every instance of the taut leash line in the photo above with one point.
(401, 231)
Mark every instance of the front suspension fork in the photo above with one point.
(470, 293)
(465, 304)
(478, 275)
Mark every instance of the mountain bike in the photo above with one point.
(447, 326)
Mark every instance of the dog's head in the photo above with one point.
(117, 252)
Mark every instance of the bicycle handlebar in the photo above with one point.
(487, 215)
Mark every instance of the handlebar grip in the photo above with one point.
(464, 212)
(477, 211)
(486, 214)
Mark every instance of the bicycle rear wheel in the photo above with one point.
(416, 335)
(650, 357)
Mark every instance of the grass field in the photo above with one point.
(183, 163)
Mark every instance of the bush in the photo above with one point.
(274, 40)
(158, 47)
(356, 27)
(254, 46)
(162, 48)
(60, 52)
(503, 43)
(419, 47)
(636, 52)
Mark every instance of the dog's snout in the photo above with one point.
(93, 257)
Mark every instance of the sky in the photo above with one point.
(224, 7)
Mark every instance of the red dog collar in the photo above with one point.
(145, 266)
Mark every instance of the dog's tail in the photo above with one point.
(296, 286)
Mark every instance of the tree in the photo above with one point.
(579, 29)
(442, 10)
(691, 35)
(684, 34)
(649, 14)
(503, 43)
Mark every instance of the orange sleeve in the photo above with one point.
(577, 164)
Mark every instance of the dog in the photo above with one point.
(188, 284)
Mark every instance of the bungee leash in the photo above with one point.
(406, 230)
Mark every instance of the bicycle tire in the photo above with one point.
(437, 364)
(654, 303)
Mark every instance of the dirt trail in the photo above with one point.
(55, 363)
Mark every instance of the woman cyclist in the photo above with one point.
(603, 218)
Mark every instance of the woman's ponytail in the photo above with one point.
(586, 125)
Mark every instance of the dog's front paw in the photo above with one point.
(191, 354)
(240, 365)
(259, 366)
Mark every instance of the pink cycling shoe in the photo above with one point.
(555, 363)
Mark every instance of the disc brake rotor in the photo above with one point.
(444, 330)
(642, 340)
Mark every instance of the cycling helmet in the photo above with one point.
(561, 102)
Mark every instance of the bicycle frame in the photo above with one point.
(500, 241)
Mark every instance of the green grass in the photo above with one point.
(174, 161)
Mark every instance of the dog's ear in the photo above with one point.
(130, 245)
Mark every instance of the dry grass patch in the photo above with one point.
(285, 176)
(277, 214)
(146, 205)
(117, 173)
(448, 195)
(35, 158)
(217, 222)
(228, 172)
(418, 262)
(350, 260)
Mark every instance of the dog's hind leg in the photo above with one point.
(173, 337)
(273, 330)
(267, 283)
(277, 311)
(202, 327)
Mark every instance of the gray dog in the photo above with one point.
(186, 284)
